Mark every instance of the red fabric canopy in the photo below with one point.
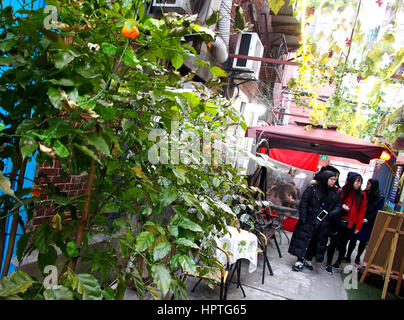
(317, 140)
(298, 159)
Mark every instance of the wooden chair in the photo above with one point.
(217, 274)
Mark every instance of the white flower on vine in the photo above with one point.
(93, 47)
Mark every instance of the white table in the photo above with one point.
(239, 245)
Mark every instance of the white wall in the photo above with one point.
(251, 113)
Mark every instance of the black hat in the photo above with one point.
(352, 175)
(325, 175)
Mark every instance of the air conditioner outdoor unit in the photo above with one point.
(249, 44)
(180, 6)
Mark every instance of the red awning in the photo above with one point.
(317, 140)
(298, 159)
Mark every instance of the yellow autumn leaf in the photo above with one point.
(57, 222)
(138, 172)
(324, 59)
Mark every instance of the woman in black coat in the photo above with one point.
(310, 236)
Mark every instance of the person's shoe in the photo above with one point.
(347, 259)
(307, 264)
(357, 260)
(336, 264)
(298, 266)
(328, 269)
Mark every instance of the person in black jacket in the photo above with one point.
(311, 233)
(374, 204)
(328, 168)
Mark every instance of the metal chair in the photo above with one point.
(262, 243)
(268, 224)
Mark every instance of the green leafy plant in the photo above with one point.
(88, 97)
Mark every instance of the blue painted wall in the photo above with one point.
(31, 165)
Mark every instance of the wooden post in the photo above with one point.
(84, 217)
(400, 278)
(14, 224)
(389, 265)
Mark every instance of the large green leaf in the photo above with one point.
(161, 250)
(110, 207)
(98, 142)
(61, 293)
(167, 196)
(162, 278)
(55, 97)
(216, 71)
(187, 264)
(72, 249)
(85, 284)
(22, 245)
(108, 293)
(88, 71)
(24, 126)
(144, 240)
(88, 152)
(180, 174)
(177, 60)
(276, 5)
(223, 206)
(62, 82)
(42, 237)
(61, 149)
(60, 199)
(27, 146)
(16, 282)
(48, 258)
(108, 48)
(63, 58)
(8, 42)
(89, 287)
(186, 243)
(130, 59)
(189, 225)
(132, 193)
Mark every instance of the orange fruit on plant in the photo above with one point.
(132, 33)
(206, 148)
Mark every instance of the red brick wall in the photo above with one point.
(72, 186)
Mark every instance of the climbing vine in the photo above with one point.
(361, 65)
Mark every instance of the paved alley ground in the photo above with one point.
(285, 284)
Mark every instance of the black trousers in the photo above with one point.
(312, 248)
(340, 241)
(352, 244)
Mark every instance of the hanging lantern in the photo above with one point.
(385, 156)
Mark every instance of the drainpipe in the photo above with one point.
(220, 47)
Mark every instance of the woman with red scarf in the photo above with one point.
(352, 215)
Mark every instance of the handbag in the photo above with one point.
(345, 222)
